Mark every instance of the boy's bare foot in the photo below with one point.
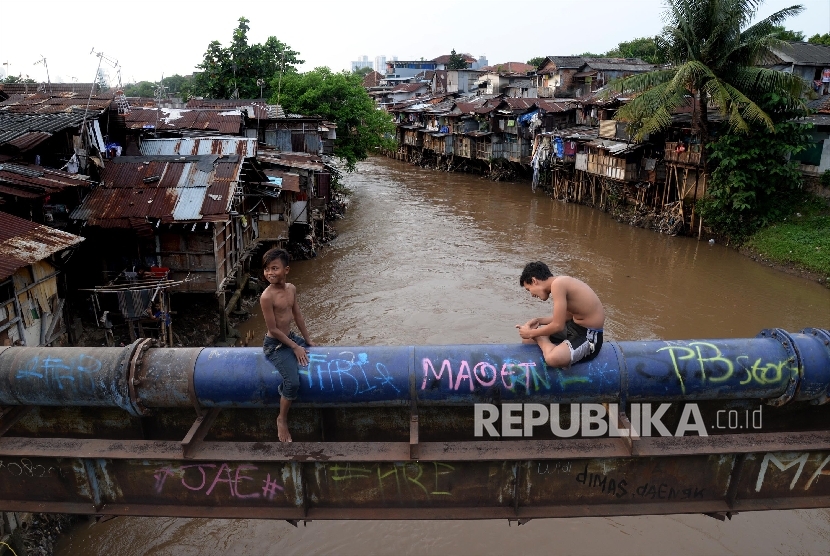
(282, 430)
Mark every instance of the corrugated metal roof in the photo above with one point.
(565, 62)
(801, 54)
(244, 147)
(78, 89)
(293, 160)
(166, 188)
(619, 64)
(256, 108)
(613, 147)
(40, 103)
(23, 242)
(20, 126)
(290, 181)
(202, 119)
(30, 181)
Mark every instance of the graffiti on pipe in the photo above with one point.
(511, 375)
(56, 372)
(705, 362)
(815, 464)
(347, 371)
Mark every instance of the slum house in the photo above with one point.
(555, 76)
(512, 120)
(596, 73)
(31, 309)
(141, 123)
(298, 197)
(512, 79)
(44, 129)
(40, 194)
(815, 160)
(82, 90)
(179, 213)
(809, 61)
(437, 137)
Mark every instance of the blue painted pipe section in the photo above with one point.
(776, 366)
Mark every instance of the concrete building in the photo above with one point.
(380, 64)
(363, 62)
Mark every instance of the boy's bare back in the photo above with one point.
(580, 301)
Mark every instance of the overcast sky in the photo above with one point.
(151, 37)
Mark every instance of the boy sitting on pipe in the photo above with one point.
(283, 348)
(574, 331)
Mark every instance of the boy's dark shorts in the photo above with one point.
(282, 357)
(584, 343)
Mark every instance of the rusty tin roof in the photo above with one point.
(137, 190)
(31, 181)
(244, 147)
(23, 242)
(202, 119)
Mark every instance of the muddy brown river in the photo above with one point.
(426, 257)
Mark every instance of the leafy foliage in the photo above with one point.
(234, 72)
(713, 49)
(176, 85)
(17, 79)
(536, 61)
(456, 61)
(339, 97)
(756, 180)
(647, 49)
(363, 72)
(820, 39)
(788, 35)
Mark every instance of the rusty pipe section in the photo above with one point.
(776, 366)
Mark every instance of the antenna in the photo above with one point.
(43, 61)
(101, 58)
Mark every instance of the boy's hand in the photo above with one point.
(525, 331)
(310, 344)
(532, 323)
(302, 355)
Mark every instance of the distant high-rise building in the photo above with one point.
(363, 62)
(380, 64)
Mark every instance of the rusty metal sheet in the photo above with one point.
(32, 181)
(23, 242)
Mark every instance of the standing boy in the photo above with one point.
(574, 331)
(284, 349)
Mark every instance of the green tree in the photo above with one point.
(141, 89)
(647, 49)
(234, 72)
(363, 72)
(17, 79)
(102, 80)
(456, 62)
(341, 98)
(820, 39)
(591, 55)
(713, 50)
(787, 35)
(536, 61)
(756, 180)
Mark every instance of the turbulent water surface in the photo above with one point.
(426, 257)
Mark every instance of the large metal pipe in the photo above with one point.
(775, 366)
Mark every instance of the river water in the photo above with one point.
(427, 257)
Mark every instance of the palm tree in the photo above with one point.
(713, 51)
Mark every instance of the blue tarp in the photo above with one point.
(526, 117)
(559, 146)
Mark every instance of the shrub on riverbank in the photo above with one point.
(802, 240)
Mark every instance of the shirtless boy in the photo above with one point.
(284, 349)
(574, 331)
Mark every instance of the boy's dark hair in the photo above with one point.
(536, 269)
(273, 254)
